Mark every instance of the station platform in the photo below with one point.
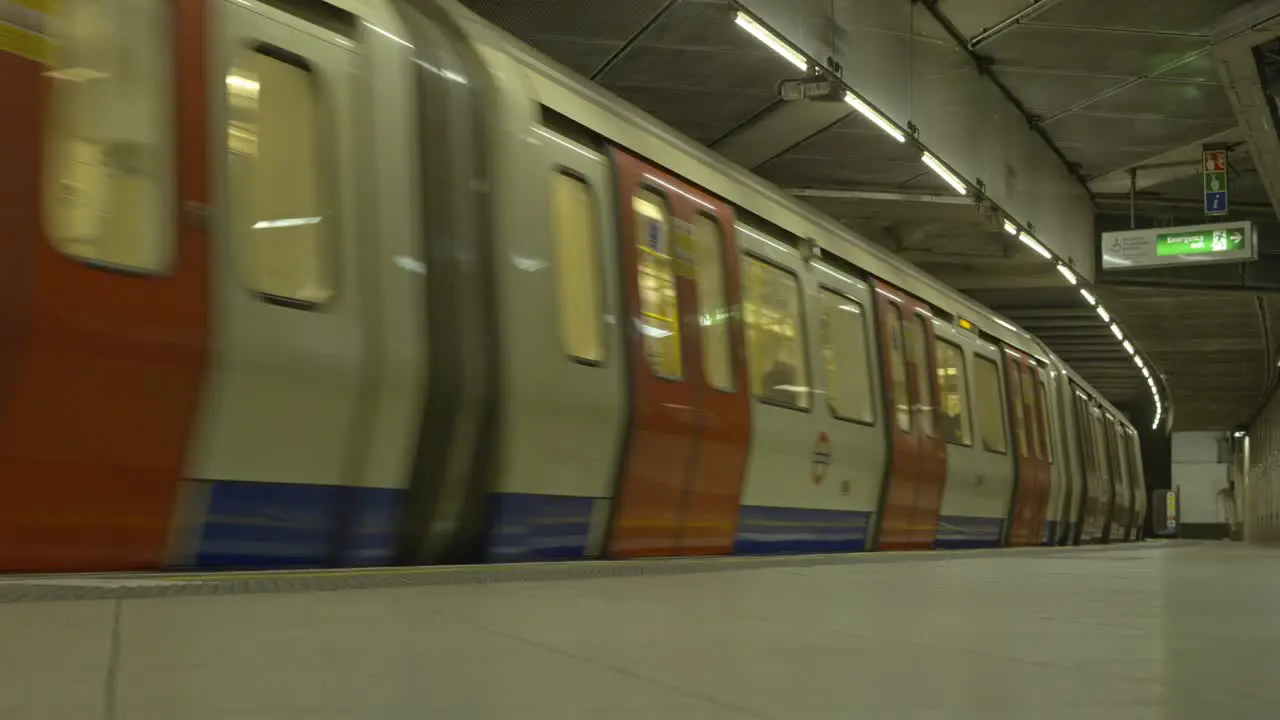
(1157, 630)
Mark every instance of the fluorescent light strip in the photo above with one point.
(1089, 296)
(936, 165)
(1035, 245)
(748, 23)
(1146, 373)
(1115, 330)
(1129, 346)
(1010, 228)
(1102, 313)
(1138, 359)
(869, 113)
(1066, 273)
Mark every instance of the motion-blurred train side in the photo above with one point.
(295, 283)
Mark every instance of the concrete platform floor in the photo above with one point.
(1161, 630)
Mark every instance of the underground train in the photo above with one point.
(293, 283)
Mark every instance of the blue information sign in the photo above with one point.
(1215, 203)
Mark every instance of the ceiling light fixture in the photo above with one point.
(869, 113)
(1115, 330)
(1035, 245)
(1146, 373)
(1010, 228)
(748, 23)
(1066, 273)
(936, 165)
(1089, 296)
(1102, 313)
(1128, 346)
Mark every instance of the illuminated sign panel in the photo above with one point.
(1164, 247)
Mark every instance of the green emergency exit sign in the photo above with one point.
(1201, 241)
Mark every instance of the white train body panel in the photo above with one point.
(287, 375)
(784, 469)
(979, 482)
(563, 419)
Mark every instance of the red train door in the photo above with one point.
(912, 496)
(103, 284)
(1026, 512)
(686, 454)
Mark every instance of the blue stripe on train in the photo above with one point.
(957, 532)
(525, 527)
(260, 525)
(773, 530)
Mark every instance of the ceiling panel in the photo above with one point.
(855, 141)
(1167, 16)
(587, 19)
(1200, 66)
(697, 24)
(702, 114)
(722, 70)
(1168, 98)
(1083, 51)
(971, 18)
(1156, 134)
(791, 171)
(1049, 93)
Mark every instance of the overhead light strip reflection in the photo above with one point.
(1035, 245)
(748, 23)
(941, 170)
(880, 121)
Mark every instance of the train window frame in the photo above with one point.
(327, 195)
(163, 195)
(868, 336)
(597, 240)
(801, 329)
(1002, 406)
(723, 265)
(925, 406)
(900, 361)
(669, 219)
(963, 383)
(1049, 449)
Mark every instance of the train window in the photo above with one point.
(776, 356)
(954, 390)
(1044, 420)
(990, 406)
(898, 370)
(275, 145)
(916, 337)
(843, 330)
(109, 169)
(658, 311)
(1019, 412)
(1029, 398)
(577, 268)
(713, 305)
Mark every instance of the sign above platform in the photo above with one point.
(1190, 244)
(1215, 182)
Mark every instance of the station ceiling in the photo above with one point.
(1113, 86)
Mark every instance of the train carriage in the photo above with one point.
(367, 282)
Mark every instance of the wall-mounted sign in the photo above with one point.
(1194, 244)
(1215, 182)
